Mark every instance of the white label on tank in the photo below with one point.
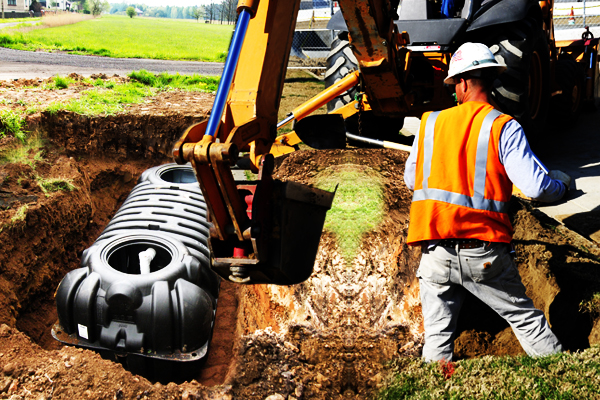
(83, 332)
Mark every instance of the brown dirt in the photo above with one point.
(327, 338)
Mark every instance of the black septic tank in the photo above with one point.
(145, 295)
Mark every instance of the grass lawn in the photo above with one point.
(561, 376)
(298, 88)
(121, 36)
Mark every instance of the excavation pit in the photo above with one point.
(329, 337)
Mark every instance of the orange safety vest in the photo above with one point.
(461, 188)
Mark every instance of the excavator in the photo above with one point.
(267, 231)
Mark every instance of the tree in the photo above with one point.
(212, 11)
(97, 7)
(120, 7)
(159, 12)
(197, 13)
(230, 7)
(130, 11)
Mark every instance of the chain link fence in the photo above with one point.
(312, 39)
(576, 14)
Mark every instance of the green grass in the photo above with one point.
(108, 97)
(18, 219)
(121, 36)
(28, 152)
(12, 122)
(51, 185)
(61, 82)
(560, 376)
(105, 101)
(358, 205)
(20, 26)
(177, 81)
(19, 215)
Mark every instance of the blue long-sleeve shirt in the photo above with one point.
(518, 160)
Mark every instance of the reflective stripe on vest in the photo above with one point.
(478, 201)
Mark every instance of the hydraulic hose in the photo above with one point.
(228, 72)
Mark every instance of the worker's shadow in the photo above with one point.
(586, 223)
(575, 149)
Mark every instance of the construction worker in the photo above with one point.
(462, 167)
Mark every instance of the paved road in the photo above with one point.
(26, 64)
(9, 24)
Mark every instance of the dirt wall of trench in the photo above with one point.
(40, 249)
(148, 136)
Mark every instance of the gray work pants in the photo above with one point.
(490, 274)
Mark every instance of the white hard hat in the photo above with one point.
(470, 57)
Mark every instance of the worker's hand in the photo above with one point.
(561, 176)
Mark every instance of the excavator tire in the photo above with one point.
(571, 80)
(523, 90)
(340, 62)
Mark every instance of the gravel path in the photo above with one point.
(27, 64)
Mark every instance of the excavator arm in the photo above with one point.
(268, 231)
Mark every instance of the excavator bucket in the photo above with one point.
(322, 132)
(286, 231)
